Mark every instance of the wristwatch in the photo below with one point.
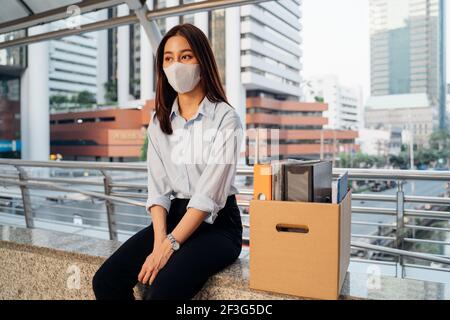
(174, 242)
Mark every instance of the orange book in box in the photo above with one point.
(262, 182)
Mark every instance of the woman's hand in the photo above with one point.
(155, 262)
(162, 248)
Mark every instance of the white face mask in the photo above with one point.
(183, 77)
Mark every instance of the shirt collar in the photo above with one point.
(206, 108)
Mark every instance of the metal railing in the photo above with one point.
(120, 192)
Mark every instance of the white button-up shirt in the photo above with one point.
(198, 161)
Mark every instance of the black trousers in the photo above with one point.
(208, 250)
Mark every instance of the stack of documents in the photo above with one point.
(293, 180)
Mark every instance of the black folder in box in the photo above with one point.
(307, 181)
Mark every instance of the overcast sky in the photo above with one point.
(336, 40)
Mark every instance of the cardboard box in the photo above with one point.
(300, 248)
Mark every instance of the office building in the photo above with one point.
(114, 134)
(411, 113)
(344, 102)
(73, 62)
(408, 53)
(380, 142)
(293, 129)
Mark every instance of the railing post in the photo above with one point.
(110, 210)
(26, 200)
(400, 230)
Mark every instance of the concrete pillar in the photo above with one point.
(235, 91)
(102, 58)
(147, 64)
(123, 59)
(24, 119)
(34, 109)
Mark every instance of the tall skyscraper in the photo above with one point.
(408, 52)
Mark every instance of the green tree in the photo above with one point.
(143, 156)
(425, 156)
(58, 100)
(360, 160)
(439, 140)
(440, 144)
(319, 99)
(85, 98)
(400, 160)
(438, 151)
(111, 91)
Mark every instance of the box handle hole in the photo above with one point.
(292, 228)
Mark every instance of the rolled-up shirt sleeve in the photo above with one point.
(159, 189)
(212, 188)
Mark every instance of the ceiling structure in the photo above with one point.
(21, 14)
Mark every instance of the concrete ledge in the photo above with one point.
(41, 264)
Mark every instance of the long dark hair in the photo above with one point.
(165, 94)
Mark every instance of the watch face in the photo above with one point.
(176, 246)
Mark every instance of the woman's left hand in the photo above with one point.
(155, 262)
